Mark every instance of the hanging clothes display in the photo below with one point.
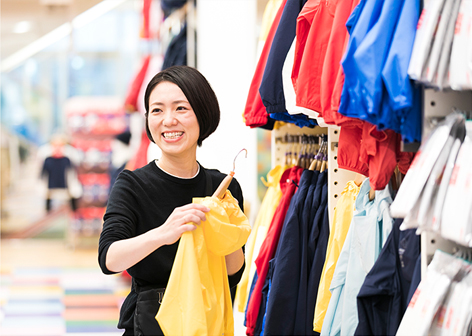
(367, 233)
(255, 114)
(203, 305)
(302, 236)
(383, 298)
(259, 232)
(288, 184)
(341, 221)
(271, 87)
(319, 52)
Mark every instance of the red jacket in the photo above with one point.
(255, 114)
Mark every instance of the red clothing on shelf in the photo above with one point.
(255, 113)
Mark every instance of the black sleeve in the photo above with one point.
(120, 217)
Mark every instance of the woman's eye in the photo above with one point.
(181, 108)
(156, 110)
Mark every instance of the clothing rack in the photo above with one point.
(437, 104)
(337, 178)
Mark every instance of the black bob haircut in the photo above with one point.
(199, 93)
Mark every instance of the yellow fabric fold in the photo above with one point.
(258, 234)
(342, 218)
(197, 300)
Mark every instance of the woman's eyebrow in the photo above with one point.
(174, 102)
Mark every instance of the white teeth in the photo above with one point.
(172, 135)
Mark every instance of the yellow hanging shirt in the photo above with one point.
(197, 300)
(258, 234)
(342, 218)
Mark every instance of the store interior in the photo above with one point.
(73, 75)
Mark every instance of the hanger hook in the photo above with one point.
(234, 161)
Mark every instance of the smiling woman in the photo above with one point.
(150, 208)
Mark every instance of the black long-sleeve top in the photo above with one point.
(142, 200)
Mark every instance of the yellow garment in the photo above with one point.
(197, 300)
(342, 218)
(259, 232)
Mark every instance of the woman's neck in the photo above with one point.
(181, 168)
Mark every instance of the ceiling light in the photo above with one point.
(22, 27)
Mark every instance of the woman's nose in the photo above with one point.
(169, 119)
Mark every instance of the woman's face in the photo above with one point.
(172, 121)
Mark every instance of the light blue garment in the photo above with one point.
(369, 229)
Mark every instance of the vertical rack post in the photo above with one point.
(337, 178)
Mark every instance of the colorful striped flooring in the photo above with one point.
(60, 301)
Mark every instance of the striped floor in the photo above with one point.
(56, 301)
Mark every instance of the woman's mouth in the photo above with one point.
(172, 135)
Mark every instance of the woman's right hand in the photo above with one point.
(182, 219)
(125, 253)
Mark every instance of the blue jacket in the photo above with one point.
(271, 88)
(404, 97)
(382, 299)
(287, 312)
(371, 54)
(362, 19)
(320, 234)
(287, 266)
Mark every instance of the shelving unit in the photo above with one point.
(93, 122)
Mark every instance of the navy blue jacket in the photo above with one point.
(382, 299)
(319, 236)
(287, 266)
(176, 53)
(287, 311)
(271, 88)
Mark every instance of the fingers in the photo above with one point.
(194, 216)
(200, 207)
(191, 213)
(188, 227)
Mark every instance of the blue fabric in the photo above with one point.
(176, 53)
(270, 275)
(371, 54)
(320, 233)
(404, 97)
(168, 6)
(309, 243)
(299, 261)
(271, 88)
(301, 120)
(254, 280)
(280, 319)
(55, 169)
(382, 299)
(415, 279)
(377, 88)
(370, 227)
(362, 19)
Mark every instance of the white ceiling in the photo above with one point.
(44, 16)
